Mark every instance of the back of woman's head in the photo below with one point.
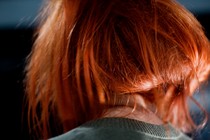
(89, 54)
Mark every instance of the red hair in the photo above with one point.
(89, 54)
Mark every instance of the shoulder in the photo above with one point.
(119, 129)
(96, 133)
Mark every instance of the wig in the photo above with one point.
(89, 54)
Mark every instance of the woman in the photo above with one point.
(115, 69)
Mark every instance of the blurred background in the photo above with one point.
(17, 24)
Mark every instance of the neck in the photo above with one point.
(134, 107)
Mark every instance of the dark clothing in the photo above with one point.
(122, 129)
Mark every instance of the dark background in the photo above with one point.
(16, 38)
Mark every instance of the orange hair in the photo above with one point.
(89, 54)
